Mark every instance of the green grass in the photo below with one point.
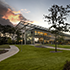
(33, 58)
(60, 46)
(4, 46)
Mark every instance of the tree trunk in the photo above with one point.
(55, 44)
(55, 47)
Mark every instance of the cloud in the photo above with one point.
(8, 14)
(13, 16)
(35, 22)
(24, 11)
(16, 12)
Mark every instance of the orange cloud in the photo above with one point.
(24, 11)
(28, 12)
(13, 16)
(35, 22)
(28, 21)
(16, 12)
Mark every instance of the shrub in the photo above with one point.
(66, 65)
(9, 41)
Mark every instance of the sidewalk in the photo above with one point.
(54, 48)
(13, 50)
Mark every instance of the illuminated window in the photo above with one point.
(45, 34)
(36, 39)
(48, 41)
(45, 41)
(41, 33)
(41, 39)
(49, 35)
(36, 33)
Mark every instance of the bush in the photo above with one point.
(9, 41)
(3, 40)
(66, 65)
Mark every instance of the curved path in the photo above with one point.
(54, 48)
(13, 50)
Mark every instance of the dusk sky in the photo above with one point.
(34, 10)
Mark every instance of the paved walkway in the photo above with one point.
(54, 48)
(13, 50)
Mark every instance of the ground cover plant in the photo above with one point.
(4, 46)
(3, 51)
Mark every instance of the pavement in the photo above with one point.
(12, 51)
(54, 48)
(51, 47)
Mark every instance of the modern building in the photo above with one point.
(32, 34)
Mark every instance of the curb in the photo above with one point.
(12, 51)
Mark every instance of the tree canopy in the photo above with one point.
(11, 32)
(57, 17)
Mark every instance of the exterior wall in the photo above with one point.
(38, 36)
(67, 38)
(37, 33)
(41, 36)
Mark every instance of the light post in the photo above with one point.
(21, 42)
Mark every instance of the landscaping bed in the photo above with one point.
(3, 51)
(4, 46)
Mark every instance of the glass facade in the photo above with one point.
(34, 33)
(38, 36)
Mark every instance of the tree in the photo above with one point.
(1, 29)
(57, 17)
(18, 33)
(13, 32)
(9, 41)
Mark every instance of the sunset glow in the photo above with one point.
(35, 22)
(16, 12)
(13, 16)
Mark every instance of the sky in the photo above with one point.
(34, 10)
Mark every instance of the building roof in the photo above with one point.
(29, 26)
(23, 24)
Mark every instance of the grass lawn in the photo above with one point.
(33, 58)
(60, 46)
(4, 46)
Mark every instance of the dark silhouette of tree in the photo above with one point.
(1, 29)
(18, 33)
(11, 31)
(57, 17)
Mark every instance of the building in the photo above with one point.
(32, 34)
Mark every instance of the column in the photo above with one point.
(25, 37)
(33, 37)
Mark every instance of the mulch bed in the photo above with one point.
(3, 51)
(40, 46)
(55, 51)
